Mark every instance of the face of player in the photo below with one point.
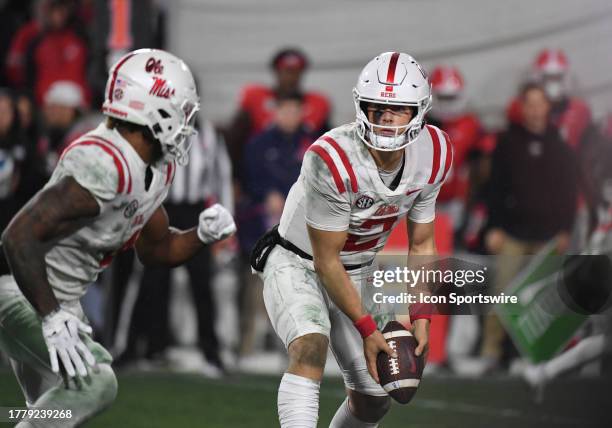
(389, 115)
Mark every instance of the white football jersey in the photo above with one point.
(105, 164)
(340, 188)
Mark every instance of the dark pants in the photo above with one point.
(150, 315)
(120, 274)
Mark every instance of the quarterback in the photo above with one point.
(356, 183)
(105, 195)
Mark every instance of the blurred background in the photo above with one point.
(273, 76)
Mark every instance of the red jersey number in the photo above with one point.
(352, 243)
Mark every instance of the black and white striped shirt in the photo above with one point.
(207, 178)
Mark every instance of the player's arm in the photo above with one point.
(326, 247)
(52, 214)
(160, 244)
(421, 242)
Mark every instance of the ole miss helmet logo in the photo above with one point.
(154, 65)
(161, 88)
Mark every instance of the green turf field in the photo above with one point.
(171, 400)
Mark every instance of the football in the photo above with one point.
(400, 376)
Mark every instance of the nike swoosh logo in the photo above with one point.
(412, 191)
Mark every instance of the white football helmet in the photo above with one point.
(551, 68)
(397, 79)
(153, 88)
(448, 90)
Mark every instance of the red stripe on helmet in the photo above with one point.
(111, 88)
(345, 161)
(330, 164)
(392, 67)
(435, 167)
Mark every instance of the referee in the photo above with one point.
(205, 180)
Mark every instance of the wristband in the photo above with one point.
(365, 325)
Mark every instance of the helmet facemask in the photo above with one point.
(176, 144)
(404, 134)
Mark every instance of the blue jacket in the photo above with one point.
(272, 162)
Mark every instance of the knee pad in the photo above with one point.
(358, 379)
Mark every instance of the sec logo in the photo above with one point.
(364, 202)
(131, 209)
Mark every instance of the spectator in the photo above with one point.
(272, 162)
(571, 115)
(12, 154)
(58, 52)
(63, 102)
(531, 197)
(15, 61)
(11, 137)
(27, 117)
(256, 109)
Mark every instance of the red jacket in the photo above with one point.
(58, 55)
(258, 102)
(16, 58)
(465, 133)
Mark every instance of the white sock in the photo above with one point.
(586, 350)
(344, 418)
(298, 402)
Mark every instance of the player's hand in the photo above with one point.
(420, 332)
(372, 346)
(61, 333)
(216, 223)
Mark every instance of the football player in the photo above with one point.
(356, 183)
(104, 195)
(450, 112)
